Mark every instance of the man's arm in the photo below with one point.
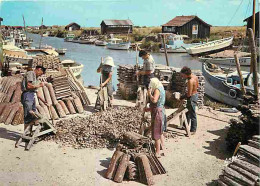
(30, 86)
(144, 72)
(190, 87)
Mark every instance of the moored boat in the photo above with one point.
(75, 67)
(210, 47)
(61, 51)
(227, 58)
(69, 37)
(100, 43)
(118, 44)
(225, 88)
(15, 55)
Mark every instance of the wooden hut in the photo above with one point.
(72, 26)
(192, 26)
(116, 26)
(249, 21)
(43, 27)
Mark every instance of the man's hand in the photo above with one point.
(41, 84)
(102, 84)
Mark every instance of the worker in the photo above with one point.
(106, 69)
(29, 86)
(156, 94)
(148, 67)
(192, 97)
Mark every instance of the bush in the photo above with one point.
(156, 30)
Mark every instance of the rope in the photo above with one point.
(235, 12)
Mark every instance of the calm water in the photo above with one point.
(90, 56)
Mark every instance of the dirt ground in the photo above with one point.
(197, 160)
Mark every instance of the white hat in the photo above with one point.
(109, 61)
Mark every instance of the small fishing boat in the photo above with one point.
(100, 43)
(69, 37)
(61, 51)
(225, 88)
(227, 58)
(118, 44)
(210, 47)
(170, 49)
(75, 67)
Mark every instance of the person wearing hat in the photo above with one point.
(156, 94)
(106, 70)
(29, 87)
(148, 67)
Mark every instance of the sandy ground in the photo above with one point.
(197, 160)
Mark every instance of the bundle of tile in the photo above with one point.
(179, 84)
(244, 168)
(127, 86)
(47, 61)
(11, 109)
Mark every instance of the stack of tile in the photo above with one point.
(47, 61)
(244, 168)
(179, 84)
(127, 86)
(11, 109)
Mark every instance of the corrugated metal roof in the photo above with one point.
(117, 22)
(182, 20)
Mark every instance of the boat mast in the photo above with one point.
(25, 31)
(41, 35)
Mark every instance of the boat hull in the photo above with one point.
(210, 46)
(76, 70)
(244, 61)
(119, 46)
(177, 50)
(61, 51)
(218, 90)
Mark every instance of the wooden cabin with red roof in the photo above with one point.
(192, 26)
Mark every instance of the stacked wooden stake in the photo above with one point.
(47, 61)
(134, 159)
(244, 169)
(11, 109)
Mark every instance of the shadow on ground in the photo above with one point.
(217, 147)
(104, 163)
(10, 135)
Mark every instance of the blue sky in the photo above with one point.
(90, 13)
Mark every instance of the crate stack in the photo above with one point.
(11, 109)
(47, 61)
(244, 168)
(127, 86)
(179, 84)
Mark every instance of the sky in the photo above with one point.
(90, 13)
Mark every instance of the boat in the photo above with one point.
(210, 47)
(118, 44)
(227, 58)
(69, 37)
(100, 43)
(15, 55)
(225, 88)
(45, 35)
(176, 44)
(61, 51)
(75, 67)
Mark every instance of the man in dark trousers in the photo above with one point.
(192, 97)
(30, 85)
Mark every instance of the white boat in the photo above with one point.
(210, 47)
(227, 58)
(15, 55)
(173, 50)
(118, 44)
(45, 35)
(61, 51)
(69, 37)
(226, 88)
(244, 61)
(100, 43)
(75, 67)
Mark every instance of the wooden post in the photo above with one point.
(25, 31)
(165, 50)
(240, 75)
(253, 20)
(137, 77)
(253, 61)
